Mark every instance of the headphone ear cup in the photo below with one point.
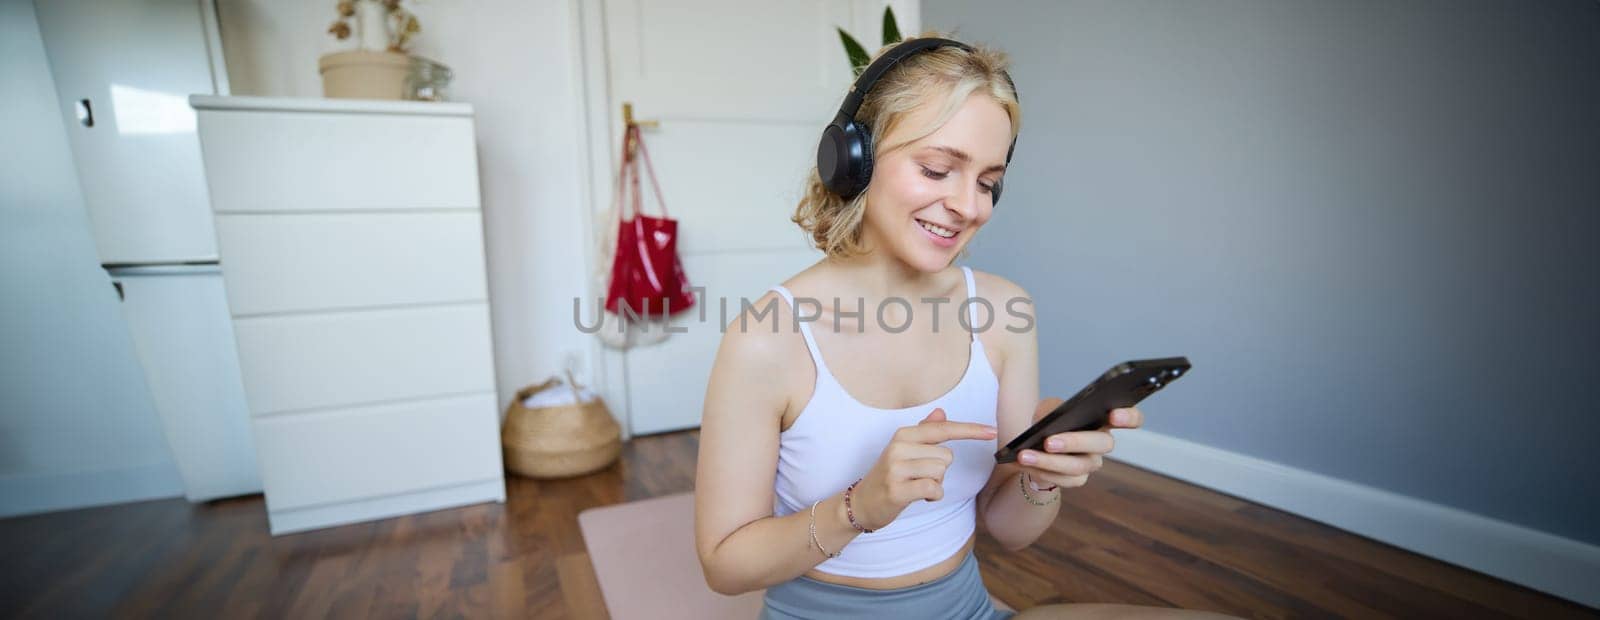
(832, 158)
(844, 159)
(994, 195)
(864, 177)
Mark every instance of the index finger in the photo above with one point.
(940, 432)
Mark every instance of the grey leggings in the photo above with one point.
(958, 595)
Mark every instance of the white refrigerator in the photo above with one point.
(123, 73)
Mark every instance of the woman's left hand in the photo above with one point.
(1069, 458)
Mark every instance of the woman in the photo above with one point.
(852, 415)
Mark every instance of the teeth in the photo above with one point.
(937, 230)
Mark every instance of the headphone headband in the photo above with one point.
(874, 71)
(844, 155)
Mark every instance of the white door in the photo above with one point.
(124, 71)
(742, 91)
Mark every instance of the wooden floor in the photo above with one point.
(1128, 536)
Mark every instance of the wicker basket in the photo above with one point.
(559, 441)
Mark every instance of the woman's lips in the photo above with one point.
(942, 242)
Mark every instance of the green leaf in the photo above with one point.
(858, 55)
(891, 30)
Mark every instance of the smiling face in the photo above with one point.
(928, 199)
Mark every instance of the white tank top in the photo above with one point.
(837, 439)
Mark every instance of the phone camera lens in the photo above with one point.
(1152, 384)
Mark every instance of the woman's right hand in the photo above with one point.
(911, 468)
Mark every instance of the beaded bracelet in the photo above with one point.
(1022, 484)
(814, 540)
(851, 513)
(1036, 487)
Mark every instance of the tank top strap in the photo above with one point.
(805, 329)
(972, 306)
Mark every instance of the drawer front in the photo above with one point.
(351, 454)
(298, 161)
(298, 362)
(299, 262)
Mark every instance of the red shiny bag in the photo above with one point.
(646, 275)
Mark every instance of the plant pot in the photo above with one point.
(363, 74)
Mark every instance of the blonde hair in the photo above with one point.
(947, 75)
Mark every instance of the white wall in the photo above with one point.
(514, 62)
(77, 424)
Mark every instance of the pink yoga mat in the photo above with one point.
(644, 559)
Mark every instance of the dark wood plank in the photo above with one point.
(579, 588)
(1129, 536)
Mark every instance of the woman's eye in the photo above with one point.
(988, 188)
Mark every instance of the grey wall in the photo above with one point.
(1370, 225)
(77, 425)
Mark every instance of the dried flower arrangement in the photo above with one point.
(401, 26)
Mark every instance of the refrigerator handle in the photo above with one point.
(85, 113)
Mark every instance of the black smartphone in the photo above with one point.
(1123, 386)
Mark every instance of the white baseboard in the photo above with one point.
(36, 493)
(316, 517)
(1564, 567)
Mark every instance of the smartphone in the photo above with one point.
(1123, 386)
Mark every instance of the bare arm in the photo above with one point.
(1004, 513)
(742, 546)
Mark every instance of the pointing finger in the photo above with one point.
(940, 432)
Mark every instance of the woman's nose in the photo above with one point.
(965, 201)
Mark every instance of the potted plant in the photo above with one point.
(859, 58)
(377, 68)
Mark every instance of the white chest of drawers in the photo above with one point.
(351, 243)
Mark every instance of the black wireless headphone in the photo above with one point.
(844, 156)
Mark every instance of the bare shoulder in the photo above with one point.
(996, 288)
(756, 334)
(757, 345)
(762, 345)
(1014, 312)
